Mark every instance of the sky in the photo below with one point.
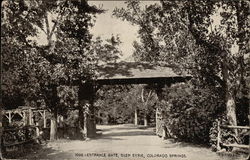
(106, 25)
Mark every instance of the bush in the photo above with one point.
(190, 111)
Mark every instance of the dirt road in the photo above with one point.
(126, 142)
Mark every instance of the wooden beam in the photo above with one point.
(40, 112)
(19, 113)
(6, 116)
(19, 143)
(237, 145)
(16, 129)
(235, 127)
(152, 80)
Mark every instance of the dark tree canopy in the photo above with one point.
(184, 33)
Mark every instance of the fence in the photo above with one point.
(230, 145)
(27, 114)
(15, 138)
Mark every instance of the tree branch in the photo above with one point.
(47, 26)
(142, 97)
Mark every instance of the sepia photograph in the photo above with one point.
(125, 80)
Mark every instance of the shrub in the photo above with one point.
(190, 110)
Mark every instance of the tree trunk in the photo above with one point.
(85, 125)
(136, 117)
(229, 96)
(145, 121)
(53, 127)
(231, 108)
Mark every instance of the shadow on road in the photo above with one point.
(116, 132)
(129, 133)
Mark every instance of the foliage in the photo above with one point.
(190, 111)
(120, 101)
(23, 137)
(68, 97)
(185, 34)
(33, 71)
(110, 102)
(106, 51)
(14, 50)
(46, 72)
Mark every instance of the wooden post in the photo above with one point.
(136, 117)
(156, 120)
(9, 118)
(218, 136)
(37, 130)
(44, 119)
(1, 131)
(145, 120)
(163, 132)
(30, 117)
(24, 118)
(85, 124)
(249, 137)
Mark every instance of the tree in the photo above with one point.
(122, 101)
(132, 98)
(141, 98)
(148, 100)
(106, 51)
(69, 54)
(36, 71)
(14, 49)
(183, 33)
(112, 102)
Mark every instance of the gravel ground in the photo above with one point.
(127, 142)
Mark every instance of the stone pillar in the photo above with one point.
(81, 122)
(87, 122)
(91, 121)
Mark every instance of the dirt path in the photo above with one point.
(126, 142)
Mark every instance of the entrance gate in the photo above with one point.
(127, 73)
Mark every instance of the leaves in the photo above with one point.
(192, 109)
(31, 69)
(120, 101)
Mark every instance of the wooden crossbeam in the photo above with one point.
(20, 128)
(19, 113)
(237, 145)
(6, 116)
(40, 112)
(19, 143)
(235, 127)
